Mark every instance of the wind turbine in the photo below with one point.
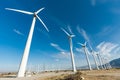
(23, 64)
(103, 62)
(70, 36)
(95, 59)
(85, 50)
(93, 54)
(108, 64)
(100, 60)
(92, 51)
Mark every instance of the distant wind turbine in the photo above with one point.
(23, 64)
(108, 66)
(85, 50)
(71, 49)
(99, 58)
(93, 54)
(103, 62)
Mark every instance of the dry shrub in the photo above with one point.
(77, 76)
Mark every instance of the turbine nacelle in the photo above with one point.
(83, 45)
(35, 15)
(72, 35)
(38, 11)
(69, 35)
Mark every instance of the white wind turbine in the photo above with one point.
(94, 56)
(85, 50)
(108, 66)
(70, 36)
(101, 64)
(23, 64)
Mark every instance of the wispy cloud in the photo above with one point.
(115, 11)
(43, 32)
(18, 32)
(70, 30)
(62, 55)
(93, 2)
(106, 48)
(82, 51)
(57, 60)
(56, 46)
(84, 34)
(116, 53)
(117, 50)
(79, 50)
(106, 1)
(100, 45)
(106, 30)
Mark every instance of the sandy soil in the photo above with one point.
(113, 74)
(40, 76)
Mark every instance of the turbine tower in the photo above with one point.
(95, 59)
(23, 64)
(93, 54)
(85, 50)
(71, 49)
(100, 60)
(103, 62)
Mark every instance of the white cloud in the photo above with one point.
(79, 50)
(18, 32)
(82, 51)
(43, 32)
(106, 48)
(57, 60)
(117, 50)
(93, 2)
(115, 11)
(62, 55)
(56, 46)
(70, 30)
(84, 34)
(100, 45)
(106, 30)
(88, 51)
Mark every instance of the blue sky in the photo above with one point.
(96, 21)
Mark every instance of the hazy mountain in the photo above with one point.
(115, 63)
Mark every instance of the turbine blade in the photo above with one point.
(72, 35)
(85, 43)
(42, 23)
(81, 44)
(21, 11)
(39, 10)
(70, 29)
(90, 46)
(65, 32)
(87, 51)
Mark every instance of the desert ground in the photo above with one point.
(112, 74)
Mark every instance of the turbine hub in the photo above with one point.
(83, 46)
(69, 37)
(35, 15)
